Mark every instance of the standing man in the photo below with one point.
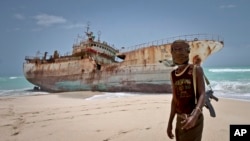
(186, 102)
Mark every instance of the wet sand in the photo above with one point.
(69, 117)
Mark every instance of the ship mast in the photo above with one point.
(87, 27)
(89, 34)
(99, 35)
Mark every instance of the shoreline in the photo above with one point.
(68, 116)
(88, 94)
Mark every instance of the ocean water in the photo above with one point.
(16, 86)
(230, 82)
(226, 82)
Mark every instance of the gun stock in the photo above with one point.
(210, 108)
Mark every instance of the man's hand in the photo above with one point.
(169, 132)
(190, 121)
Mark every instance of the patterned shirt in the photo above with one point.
(184, 91)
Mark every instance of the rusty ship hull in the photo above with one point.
(143, 68)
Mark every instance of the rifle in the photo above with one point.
(208, 105)
(209, 96)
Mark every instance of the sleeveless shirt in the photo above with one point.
(184, 92)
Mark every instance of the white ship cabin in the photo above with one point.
(100, 51)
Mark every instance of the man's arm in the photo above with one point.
(170, 121)
(190, 121)
(172, 115)
(200, 87)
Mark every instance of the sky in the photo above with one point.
(31, 26)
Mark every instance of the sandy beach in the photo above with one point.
(69, 117)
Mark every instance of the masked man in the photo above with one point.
(186, 102)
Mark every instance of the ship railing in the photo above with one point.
(190, 37)
(98, 43)
(33, 58)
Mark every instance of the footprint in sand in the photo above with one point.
(16, 126)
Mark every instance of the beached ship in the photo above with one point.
(97, 66)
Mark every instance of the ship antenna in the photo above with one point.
(99, 35)
(89, 34)
(88, 23)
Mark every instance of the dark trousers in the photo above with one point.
(193, 134)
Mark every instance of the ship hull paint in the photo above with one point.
(112, 81)
(140, 71)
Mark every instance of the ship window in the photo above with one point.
(98, 67)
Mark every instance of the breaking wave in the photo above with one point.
(110, 95)
(229, 70)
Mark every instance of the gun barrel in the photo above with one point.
(214, 97)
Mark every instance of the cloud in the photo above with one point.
(74, 26)
(228, 6)
(19, 16)
(48, 20)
